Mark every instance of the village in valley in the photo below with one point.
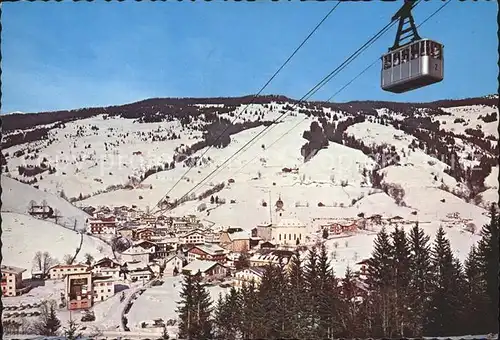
(153, 252)
(150, 191)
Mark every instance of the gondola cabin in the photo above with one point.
(413, 66)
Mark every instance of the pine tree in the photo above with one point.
(488, 257)
(311, 292)
(220, 319)
(202, 310)
(380, 284)
(348, 306)
(48, 323)
(401, 275)
(71, 333)
(325, 233)
(185, 309)
(250, 309)
(475, 304)
(298, 321)
(445, 305)
(420, 277)
(327, 295)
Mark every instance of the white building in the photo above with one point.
(175, 261)
(138, 253)
(288, 232)
(205, 268)
(103, 271)
(12, 281)
(61, 270)
(142, 275)
(196, 236)
(104, 287)
(248, 275)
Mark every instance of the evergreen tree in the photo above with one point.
(71, 333)
(348, 307)
(327, 297)
(380, 284)
(298, 321)
(48, 323)
(475, 302)
(401, 275)
(311, 292)
(325, 233)
(202, 310)
(488, 258)
(420, 277)
(194, 309)
(250, 309)
(444, 306)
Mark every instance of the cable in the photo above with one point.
(323, 82)
(253, 99)
(336, 93)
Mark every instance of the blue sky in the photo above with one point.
(72, 55)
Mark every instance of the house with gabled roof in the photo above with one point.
(247, 275)
(207, 269)
(235, 239)
(210, 252)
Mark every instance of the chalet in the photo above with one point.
(207, 269)
(41, 211)
(267, 245)
(212, 237)
(12, 281)
(148, 219)
(104, 287)
(79, 290)
(196, 236)
(103, 225)
(61, 270)
(362, 266)
(106, 262)
(143, 234)
(106, 267)
(142, 275)
(263, 231)
(165, 246)
(235, 239)
(174, 264)
(270, 257)
(125, 231)
(210, 252)
(337, 228)
(247, 275)
(376, 219)
(139, 253)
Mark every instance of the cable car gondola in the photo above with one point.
(414, 64)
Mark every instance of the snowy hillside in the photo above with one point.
(416, 161)
(16, 197)
(23, 236)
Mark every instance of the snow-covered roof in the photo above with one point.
(211, 249)
(140, 272)
(290, 222)
(239, 235)
(12, 269)
(200, 265)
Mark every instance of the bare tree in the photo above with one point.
(43, 262)
(75, 223)
(68, 259)
(57, 216)
(31, 206)
(88, 258)
(336, 244)
(346, 244)
(44, 204)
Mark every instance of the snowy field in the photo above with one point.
(23, 236)
(161, 302)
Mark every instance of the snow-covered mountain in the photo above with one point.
(324, 160)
